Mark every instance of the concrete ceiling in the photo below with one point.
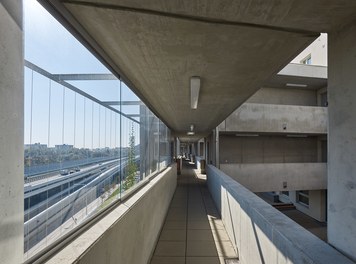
(234, 46)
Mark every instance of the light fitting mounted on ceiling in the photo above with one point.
(191, 132)
(194, 91)
(300, 85)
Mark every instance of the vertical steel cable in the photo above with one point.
(110, 128)
(105, 130)
(92, 125)
(75, 118)
(84, 122)
(63, 108)
(48, 142)
(99, 125)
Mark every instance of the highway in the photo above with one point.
(83, 188)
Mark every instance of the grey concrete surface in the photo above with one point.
(342, 140)
(267, 149)
(268, 118)
(283, 96)
(129, 233)
(11, 133)
(267, 177)
(261, 233)
(159, 52)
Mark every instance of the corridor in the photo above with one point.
(193, 232)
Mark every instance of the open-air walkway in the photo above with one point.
(193, 232)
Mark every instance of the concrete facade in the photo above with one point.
(342, 140)
(276, 141)
(11, 132)
(318, 51)
(267, 149)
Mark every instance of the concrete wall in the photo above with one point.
(129, 233)
(267, 149)
(342, 140)
(317, 204)
(278, 176)
(11, 132)
(265, 118)
(262, 234)
(285, 96)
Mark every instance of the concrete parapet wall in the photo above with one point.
(266, 177)
(267, 118)
(129, 233)
(259, 232)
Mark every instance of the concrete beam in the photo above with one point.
(286, 119)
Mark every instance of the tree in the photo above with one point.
(131, 168)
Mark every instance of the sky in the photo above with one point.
(55, 115)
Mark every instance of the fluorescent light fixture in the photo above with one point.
(300, 85)
(297, 136)
(194, 91)
(246, 135)
(190, 133)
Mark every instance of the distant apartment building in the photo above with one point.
(63, 147)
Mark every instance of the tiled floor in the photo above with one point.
(193, 232)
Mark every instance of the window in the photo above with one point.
(307, 60)
(285, 193)
(88, 138)
(303, 197)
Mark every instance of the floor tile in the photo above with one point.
(173, 235)
(167, 260)
(175, 225)
(193, 232)
(203, 260)
(170, 248)
(200, 235)
(201, 249)
(198, 224)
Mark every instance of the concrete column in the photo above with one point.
(11, 132)
(217, 148)
(342, 140)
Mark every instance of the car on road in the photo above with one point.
(64, 172)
